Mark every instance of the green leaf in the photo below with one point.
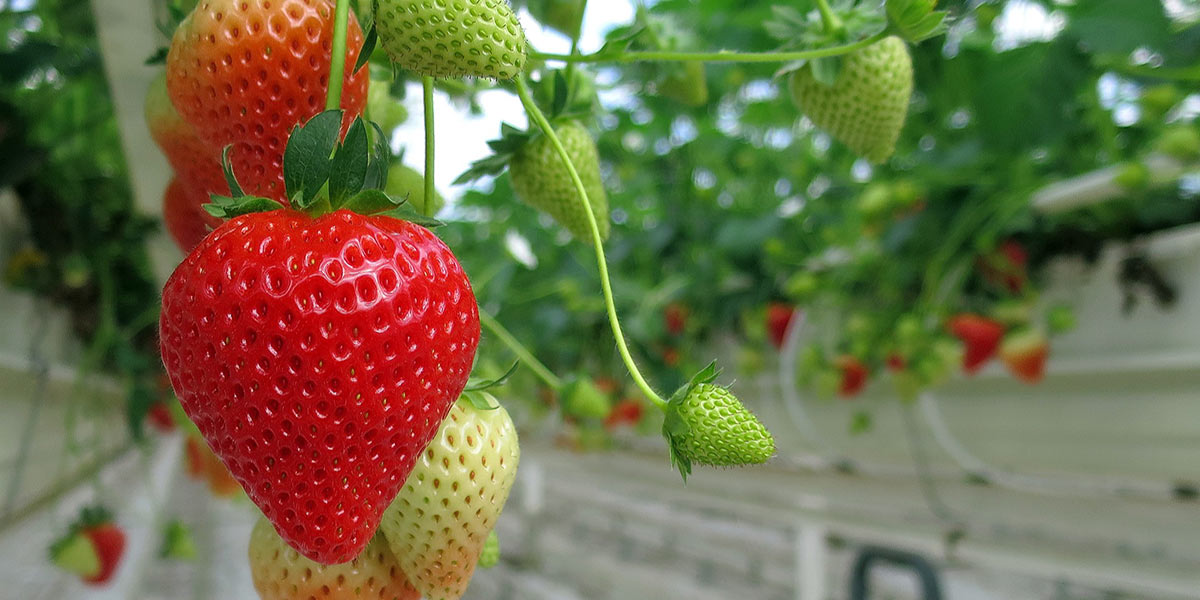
(348, 169)
(369, 202)
(368, 48)
(306, 161)
(158, 58)
(235, 189)
(481, 400)
(224, 207)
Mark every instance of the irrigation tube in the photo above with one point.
(793, 404)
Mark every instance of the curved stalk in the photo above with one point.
(535, 115)
(523, 354)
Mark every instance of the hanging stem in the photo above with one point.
(832, 23)
(535, 114)
(427, 83)
(523, 353)
(337, 62)
(575, 35)
(722, 56)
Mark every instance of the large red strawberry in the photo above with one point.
(281, 573)
(244, 72)
(92, 548)
(318, 356)
(195, 162)
(980, 337)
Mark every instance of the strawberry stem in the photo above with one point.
(723, 56)
(337, 62)
(519, 349)
(832, 23)
(427, 83)
(535, 115)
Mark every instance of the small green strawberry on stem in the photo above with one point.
(706, 424)
(539, 177)
(683, 82)
(178, 543)
(464, 38)
(91, 548)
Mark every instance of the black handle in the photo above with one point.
(871, 556)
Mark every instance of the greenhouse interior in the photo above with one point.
(783, 300)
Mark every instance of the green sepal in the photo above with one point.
(178, 543)
(491, 383)
(915, 20)
(407, 212)
(798, 30)
(480, 400)
(369, 202)
(348, 169)
(490, 556)
(158, 58)
(510, 142)
(224, 207)
(675, 427)
(379, 161)
(235, 188)
(368, 48)
(306, 160)
(76, 554)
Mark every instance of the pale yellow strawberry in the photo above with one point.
(440, 521)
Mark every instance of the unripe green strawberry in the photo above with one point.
(439, 522)
(281, 573)
(561, 15)
(865, 106)
(688, 85)
(454, 38)
(583, 400)
(542, 181)
(706, 424)
(405, 181)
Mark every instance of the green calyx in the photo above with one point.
(490, 556)
(322, 174)
(706, 424)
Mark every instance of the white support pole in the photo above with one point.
(811, 561)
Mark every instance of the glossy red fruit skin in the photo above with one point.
(184, 215)
(109, 543)
(854, 376)
(980, 336)
(318, 358)
(779, 318)
(245, 72)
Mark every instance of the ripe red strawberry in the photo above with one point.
(244, 72)
(92, 548)
(195, 162)
(318, 356)
(779, 318)
(160, 417)
(184, 215)
(1025, 353)
(281, 573)
(854, 376)
(980, 337)
(440, 521)
(675, 315)
(896, 362)
(625, 413)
